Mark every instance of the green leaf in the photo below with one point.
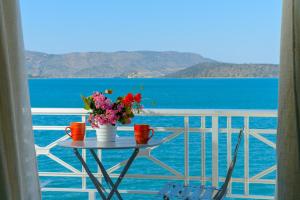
(87, 102)
(87, 107)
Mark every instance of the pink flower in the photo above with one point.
(100, 119)
(92, 121)
(120, 107)
(111, 116)
(101, 101)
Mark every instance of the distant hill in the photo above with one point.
(139, 64)
(217, 69)
(116, 64)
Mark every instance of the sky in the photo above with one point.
(238, 31)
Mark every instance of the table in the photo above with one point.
(121, 143)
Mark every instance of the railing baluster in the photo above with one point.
(203, 150)
(246, 155)
(92, 196)
(229, 148)
(186, 150)
(215, 151)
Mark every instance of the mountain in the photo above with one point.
(139, 64)
(115, 64)
(218, 69)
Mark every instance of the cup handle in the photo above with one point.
(66, 130)
(152, 130)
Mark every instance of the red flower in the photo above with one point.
(128, 99)
(138, 98)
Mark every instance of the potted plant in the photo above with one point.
(104, 114)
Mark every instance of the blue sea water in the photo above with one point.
(160, 93)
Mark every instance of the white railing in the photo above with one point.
(186, 114)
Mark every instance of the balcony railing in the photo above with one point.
(207, 138)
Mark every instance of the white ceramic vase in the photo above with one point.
(106, 133)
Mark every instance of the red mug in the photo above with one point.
(141, 133)
(76, 130)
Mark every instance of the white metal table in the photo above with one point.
(121, 143)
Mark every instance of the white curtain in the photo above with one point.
(18, 169)
(288, 140)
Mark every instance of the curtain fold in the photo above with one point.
(18, 167)
(288, 139)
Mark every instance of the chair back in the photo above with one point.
(222, 192)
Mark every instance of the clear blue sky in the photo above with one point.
(240, 31)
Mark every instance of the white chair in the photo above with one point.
(178, 191)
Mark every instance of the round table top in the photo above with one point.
(120, 143)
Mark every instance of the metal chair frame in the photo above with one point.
(175, 190)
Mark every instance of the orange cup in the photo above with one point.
(76, 130)
(141, 133)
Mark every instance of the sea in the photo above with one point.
(206, 93)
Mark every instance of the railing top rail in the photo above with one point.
(166, 112)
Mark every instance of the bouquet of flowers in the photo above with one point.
(103, 111)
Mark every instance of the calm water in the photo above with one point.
(160, 93)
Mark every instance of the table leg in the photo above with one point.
(98, 186)
(124, 171)
(104, 172)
